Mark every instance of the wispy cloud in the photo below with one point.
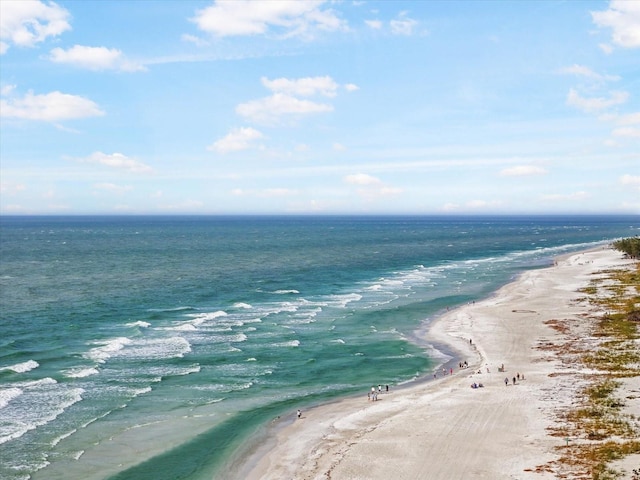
(595, 104)
(370, 187)
(523, 171)
(117, 161)
(285, 103)
(95, 58)
(286, 19)
(49, 107)
(236, 140)
(302, 87)
(270, 110)
(632, 180)
(403, 25)
(582, 71)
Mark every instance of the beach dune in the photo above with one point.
(444, 429)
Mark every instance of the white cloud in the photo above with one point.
(300, 18)
(49, 107)
(623, 17)
(362, 179)
(302, 87)
(6, 90)
(117, 160)
(373, 24)
(583, 71)
(236, 140)
(403, 25)
(26, 22)
(596, 103)
(285, 101)
(628, 119)
(522, 171)
(94, 58)
(351, 87)
(269, 110)
(626, 132)
(628, 125)
(338, 147)
(633, 180)
(370, 187)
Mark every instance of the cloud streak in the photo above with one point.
(117, 161)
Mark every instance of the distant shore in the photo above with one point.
(444, 428)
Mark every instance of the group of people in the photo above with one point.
(373, 394)
(517, 377)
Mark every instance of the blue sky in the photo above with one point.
(319, 107)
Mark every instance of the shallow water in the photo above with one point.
(153, 347)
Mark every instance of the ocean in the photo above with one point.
(144, 347)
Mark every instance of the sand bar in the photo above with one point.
(444, 429)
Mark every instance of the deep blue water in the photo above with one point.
(156, 347)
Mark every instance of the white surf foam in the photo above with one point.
(80, 372)
(107, 349)
(39, 403)
(22, 367)
(8, 394)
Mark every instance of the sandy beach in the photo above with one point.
(443, 428)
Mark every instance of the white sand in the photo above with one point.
(443, 429)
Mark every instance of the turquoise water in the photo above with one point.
(157, 347)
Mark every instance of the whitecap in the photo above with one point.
(291, 343)
(22, 367)
(339, 340)
(140, 391)
(242, 305)
(8, 394)
(139, 323)
(185, 327)
(80, 372)
(203, 317)
(286, 292)
(107, 349)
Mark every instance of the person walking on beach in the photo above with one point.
(299, 413)
(506, 381)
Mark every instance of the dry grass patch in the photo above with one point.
(597, 431)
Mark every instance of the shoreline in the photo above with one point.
(441, 426)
